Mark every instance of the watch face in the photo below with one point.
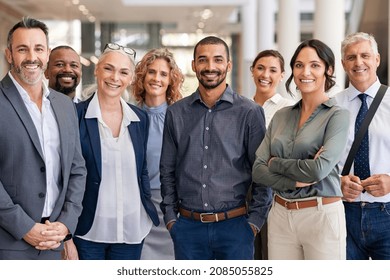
(67, 237)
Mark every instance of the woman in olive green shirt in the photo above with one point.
(298, 159)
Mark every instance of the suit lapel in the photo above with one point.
(18, 104)
(94, 137)
(134, 132)
(61, 118)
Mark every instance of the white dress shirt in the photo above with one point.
(274, 104)
(378, 133)
(49, 137)
(120, 215)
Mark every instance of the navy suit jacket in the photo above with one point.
(90, 146)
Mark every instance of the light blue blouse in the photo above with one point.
(156, 127)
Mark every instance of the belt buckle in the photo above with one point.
(201, 215)
(286, 203)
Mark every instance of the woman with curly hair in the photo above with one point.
(157, 84)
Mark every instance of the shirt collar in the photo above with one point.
(329, 103)
(155, 110)
(94, 111)
(276, 98)
(371, 91)
(23, 92)
(227, 96)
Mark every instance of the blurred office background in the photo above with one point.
(248, 26)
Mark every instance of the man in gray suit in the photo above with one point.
(42, 171)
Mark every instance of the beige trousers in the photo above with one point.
(314, 233)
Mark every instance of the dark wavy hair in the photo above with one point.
(324, 53)
(176, 76)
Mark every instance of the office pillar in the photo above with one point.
(106, 31)
(154, 35)
(236, 72)
(329, 27)
(249, 48)
(88, 50)
(288, 37)
(266, 24)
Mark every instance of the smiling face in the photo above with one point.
(113, 73)
(361, 63)
(157, 79)
(211, 66)
(309, 72)
(267, 74)
(28, 56)
(64, 71)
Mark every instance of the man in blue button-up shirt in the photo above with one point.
(209, 144)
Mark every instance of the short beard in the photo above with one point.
(24, 78)
(65, 90)
(207, 85)
(210, 86)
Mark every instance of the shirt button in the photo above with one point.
(206, 204)
(205, 166)
(41, 195)
(206, 147)
(207, 128)
(204, 185)
(43, 169)
(210, 111)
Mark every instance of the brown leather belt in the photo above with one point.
(213, 217)
(295, 205)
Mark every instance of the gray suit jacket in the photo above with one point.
(22, 168)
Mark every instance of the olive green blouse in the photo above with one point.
(294, 149)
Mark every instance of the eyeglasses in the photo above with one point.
(115, 47)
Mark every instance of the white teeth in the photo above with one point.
(307, 81)
(67, 78)
(30, 66)
(360, 70)
(264, 82)
(112, 85)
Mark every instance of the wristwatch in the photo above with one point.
(67, 237)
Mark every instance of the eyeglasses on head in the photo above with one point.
(115, 46)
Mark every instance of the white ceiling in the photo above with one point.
(181, 15)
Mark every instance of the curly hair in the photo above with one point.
(176, 78)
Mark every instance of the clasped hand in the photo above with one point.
(46, 236)
(376, 185)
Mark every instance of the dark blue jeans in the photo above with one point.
(231, 239)
(89, 250)
(368, 230)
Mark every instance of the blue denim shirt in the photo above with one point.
(207, 156)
